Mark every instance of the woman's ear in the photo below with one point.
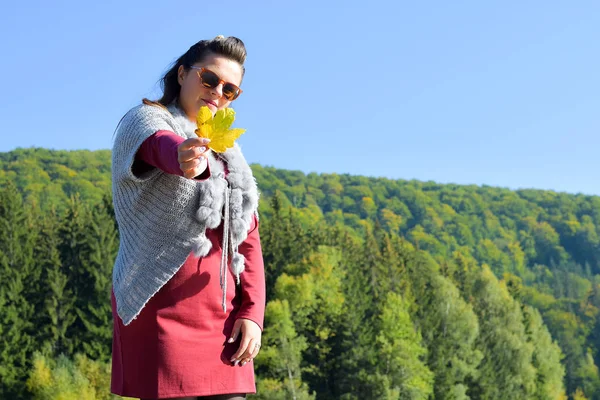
(180, 75)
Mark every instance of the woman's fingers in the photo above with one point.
(193, 142)
(241, 350)
(246, 354)
(195, 163)
(191, 148)
(191, 154)
(254, 349)
(191, 157)
(250, 343)
(194, 168)
(237, 327)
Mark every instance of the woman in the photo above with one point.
(188, 281)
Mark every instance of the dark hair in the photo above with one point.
(228, 47)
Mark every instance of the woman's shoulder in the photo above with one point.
(148, 111)
(142, 115)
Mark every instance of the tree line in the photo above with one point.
(376, 288)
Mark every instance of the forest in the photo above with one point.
(376, 288)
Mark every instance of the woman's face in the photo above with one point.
(194, 95)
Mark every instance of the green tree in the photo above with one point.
(316, 303)
(17, 264)
(281, 355)
(354, 355)
(69, 379)
(580, 369)
(59, 310)
(450, 329)
(284, 241)
(93, 304)
(401, 355)
(74, 254)
(546, 357)
(506, 370)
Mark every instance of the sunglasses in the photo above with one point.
(211, 80)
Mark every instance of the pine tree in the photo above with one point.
(450, 330)
(506, 371)
(284, 241)
(316, 303)
(17, 264)
(59, 313)
(94, 305)
(281, 356)
(401, 356)
(546, 358)
(547, 355)
(34, 289)
(354, 353)
(74, 252)
(373, 264)
(396, 254)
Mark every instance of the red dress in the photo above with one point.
(177, 346)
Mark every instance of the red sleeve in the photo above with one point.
(253, 278)
(160, 151)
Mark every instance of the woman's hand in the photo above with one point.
(191, 156)
(250, 344)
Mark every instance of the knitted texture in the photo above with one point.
(163, 217)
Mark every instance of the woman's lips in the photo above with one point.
(210, 103)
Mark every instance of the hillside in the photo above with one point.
(531, 255)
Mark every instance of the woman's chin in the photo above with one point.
(211, 107)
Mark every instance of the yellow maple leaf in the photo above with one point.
(217, 128)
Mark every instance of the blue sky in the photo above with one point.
(501, 93)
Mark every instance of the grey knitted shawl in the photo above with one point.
(163, 217)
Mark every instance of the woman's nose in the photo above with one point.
(218, 90)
